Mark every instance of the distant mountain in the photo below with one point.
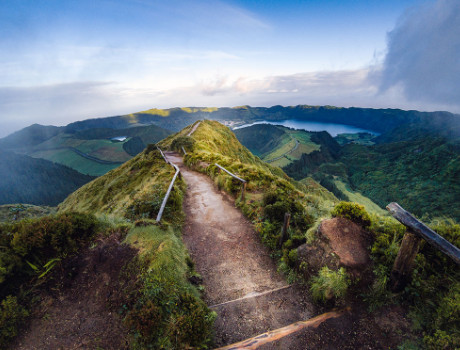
(29, 136)
(379, 120)
(36, 181)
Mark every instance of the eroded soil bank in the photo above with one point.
(80, 311)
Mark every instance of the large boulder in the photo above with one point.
(339, 243)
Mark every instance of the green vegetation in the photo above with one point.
(434, 292)
(69, 158)
(269, 192)
(353, 212)
(29, 250)
(15, 212)
(329, 284)
(421, 175)
(114, 193)
(90, 152)
(165, 309)
(262, 138)
(357, 197)
(36, 181)
(361, 138)
(278, 145)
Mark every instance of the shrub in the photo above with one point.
(329, 284)
(183, 141)
(12, 315)
(31, 248)
(352, 211)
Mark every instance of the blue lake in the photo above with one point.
(331, 128)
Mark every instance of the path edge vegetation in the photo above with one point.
(432, 298)
(164, 309)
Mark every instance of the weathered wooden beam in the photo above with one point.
(229, 173)
(423, 231)
(243, 191)
(274, 335)
(404, 263)
(287, 218)
(168, 192)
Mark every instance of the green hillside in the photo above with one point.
(277, 145)
(414, 165)
(91, 152)
(36, 181)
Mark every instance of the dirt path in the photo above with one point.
(236, 268)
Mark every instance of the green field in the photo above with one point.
(357, 197)
(71, 159)
(58, 150)
(305, 146)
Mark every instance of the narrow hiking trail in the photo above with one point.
(240, 279)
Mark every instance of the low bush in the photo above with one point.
(329, 284)
(183, 141)
(352, 211)
(12, 315)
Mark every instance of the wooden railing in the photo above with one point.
(193, 128)
(416, 230)
(244, 182)
(171, 185)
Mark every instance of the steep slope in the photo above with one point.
(36, 181)
(262, 138)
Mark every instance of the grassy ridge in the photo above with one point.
(165, 310)
(270, 193)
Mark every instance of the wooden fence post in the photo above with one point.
(404, 263)
(287, 218)
(243, 191)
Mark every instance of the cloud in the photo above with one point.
(423, 55)
(306, 85)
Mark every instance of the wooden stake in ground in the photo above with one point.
(404, 263)
(287, 218)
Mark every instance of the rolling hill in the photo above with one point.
(36, 181)
(92, 151)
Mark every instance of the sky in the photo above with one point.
(67, 60)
